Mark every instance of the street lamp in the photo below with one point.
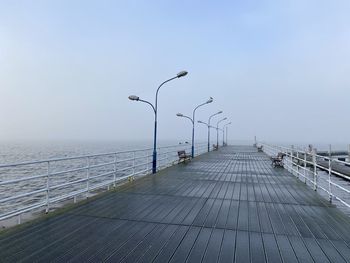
(193, 120)
(184, 116)
(155, 109)
(194, 112)
(217, 131)
(222, 130)
(211, 116)
(225, 126)
(208, 126)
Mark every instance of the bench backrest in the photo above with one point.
(281, 155)
(181, 153)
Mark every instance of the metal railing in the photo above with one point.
(29, 186)
(306, 166)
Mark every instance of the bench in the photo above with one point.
(183, 157)
(260, 148)
(278, 160)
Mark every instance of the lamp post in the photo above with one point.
(225, 126)
(155, 109)
(217, 131)
(208, 126)
(193, 120)
(223, 135)
(194, 112)
(211, 116)
(184, 116)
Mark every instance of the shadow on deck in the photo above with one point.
(224, 206)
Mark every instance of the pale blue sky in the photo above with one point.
(278, 69)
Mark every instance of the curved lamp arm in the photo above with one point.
(211, 116)
(217, 125)
(206, 124)
(156, 107)
(227, 124)
(184, 116)
(178, 75)
(145, 101)
(200, 105)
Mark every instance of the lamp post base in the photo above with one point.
(154, 163)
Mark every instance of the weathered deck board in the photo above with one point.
(225, 206)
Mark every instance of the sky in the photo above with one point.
(278, 69)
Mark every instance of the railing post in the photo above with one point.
(115, 171)
(147, 162)
(297, 160)
(133, 163)
(291, 159)
(167, 164)
(330, 173)
(158, 162)
(48, 188)
(315, 168)
(305, 164)
(87, 176)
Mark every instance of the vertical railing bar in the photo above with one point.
(291, 162)
(315, 168)
(133, 163)
(291, 158)
(48, 188)
(330, 173)
(297, 160)
(305, 171)
(115, 171)
(147, 163)
(158, 163)
(87, 176)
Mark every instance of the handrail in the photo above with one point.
(310, 164)
(88, 156)
(41, 183)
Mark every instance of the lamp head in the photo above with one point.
(179, 115)
(134, 97)
(181, 74)
(210, 100)
(220, 112)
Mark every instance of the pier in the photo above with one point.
(228, 205)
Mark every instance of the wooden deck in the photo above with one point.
(225, 206)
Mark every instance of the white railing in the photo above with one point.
(306, 166)
(29, 186)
